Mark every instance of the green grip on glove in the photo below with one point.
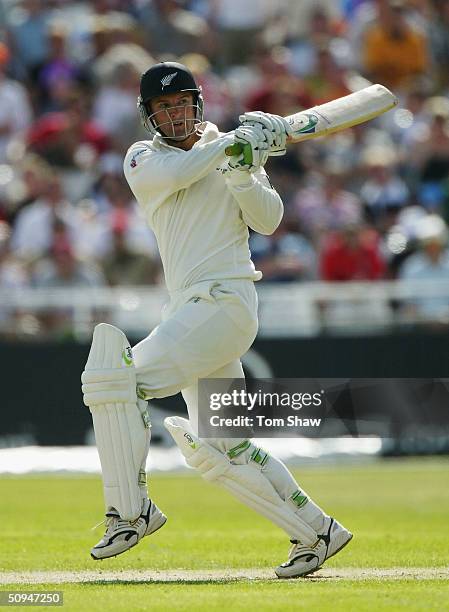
(234, 149)
(238, 148)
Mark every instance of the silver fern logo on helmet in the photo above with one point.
(168, 79)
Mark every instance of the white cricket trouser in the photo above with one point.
(205, 330)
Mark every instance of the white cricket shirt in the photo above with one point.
(199, 215)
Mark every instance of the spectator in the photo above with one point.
(220, 108)
(321, 31)
(383, 192)
(13, 272)
(325, 204)
(439, 41)
(284, 256)
(409, 122)
(278, 91)
(169, 29)
(28, 29)
(126, 265)
(117, 74)
(429, 157)
(13, 275)
(15, 109)
(301, 17)
(59, 74)
(328, 79)
(118, 207)
(87, 62)
(91, 236)
(351, 7)
(240, 25)
(114, 108)
(29, 185)
(63, 269)
(111, 28)
(33, 230)
(70, 138)
(399, 242)
(430, 266)
(393, 52)
(104, 7)
(352, 254)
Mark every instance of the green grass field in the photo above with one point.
(397, 510)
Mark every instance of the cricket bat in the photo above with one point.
(336, 115)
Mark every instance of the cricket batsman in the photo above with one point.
(200, 203)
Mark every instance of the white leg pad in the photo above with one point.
(120, 420)
(246, 482)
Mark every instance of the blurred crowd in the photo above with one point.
(366, 204)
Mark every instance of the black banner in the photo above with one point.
(42, 401)
(321, 408)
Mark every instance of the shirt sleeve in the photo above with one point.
(261, 205)
(153, 174)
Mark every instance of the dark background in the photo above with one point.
(41, 390)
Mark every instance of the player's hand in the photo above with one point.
(255, 145)
(274, 125)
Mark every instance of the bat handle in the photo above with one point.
(238, 148)
(234, 149)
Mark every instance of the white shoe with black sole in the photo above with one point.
(303, 559)
(121, 535)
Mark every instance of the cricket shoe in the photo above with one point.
(303, 559)
(121, 535)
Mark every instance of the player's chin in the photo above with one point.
(179, 133)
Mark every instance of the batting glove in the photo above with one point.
(255, 148)
(275, 125)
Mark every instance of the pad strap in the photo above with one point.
(114, 385)
(246, 481)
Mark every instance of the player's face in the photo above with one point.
(174, 114)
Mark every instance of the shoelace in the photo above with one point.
(108, 521)
(103, 522)
(296, 546)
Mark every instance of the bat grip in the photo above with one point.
(234, 149)
(237, 148)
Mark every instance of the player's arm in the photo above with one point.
(261, 205)
(151, 172)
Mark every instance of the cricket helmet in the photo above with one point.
(168, 78)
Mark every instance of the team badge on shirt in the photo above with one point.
(133, 162)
